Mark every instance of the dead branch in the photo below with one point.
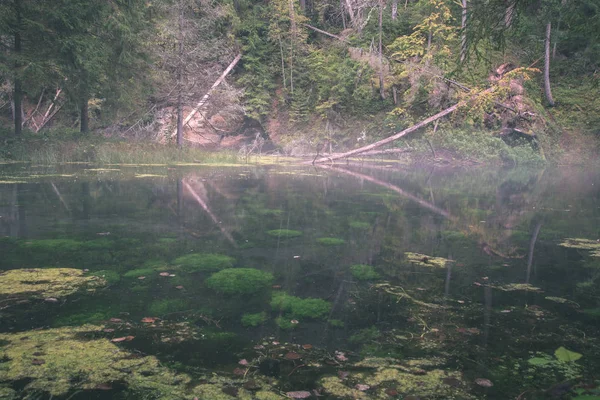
(326, 33)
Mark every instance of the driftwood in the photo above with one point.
(205, 98)
(396, 136)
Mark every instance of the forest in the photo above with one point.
(516, 79)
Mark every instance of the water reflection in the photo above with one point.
(487, 290)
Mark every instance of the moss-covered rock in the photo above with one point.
(423, 260)
(44, 283)
(284, 233)
(583, 244)
(364, 272)
(61, 360)
(240, 281)
(203, 262)
(331, 241)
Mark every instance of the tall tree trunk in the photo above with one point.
(547, 66)
(509, 13)
(180, 77)
(343, 14)
(394, 10)
(292, 42)
(351, 12)
(381, 82)
(18, 89)
(463, 37)
(84, 114)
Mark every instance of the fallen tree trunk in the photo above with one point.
(396, 136)
(326, 33)
(210, 91)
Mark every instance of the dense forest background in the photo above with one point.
(313, 74)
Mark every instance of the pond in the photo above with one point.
(361, 281)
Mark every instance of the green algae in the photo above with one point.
(423, 260)
(299, 308)
(111, 277)
(584, 244)
(284, 233)
(400, 294)
(359, 225)
(167, 306)
(44, 283)
(517, 287)
(254, 319)
(240, 281)
(203, 262)
(61, 360)
(330, 241)
(363, 272)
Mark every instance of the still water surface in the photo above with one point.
(263, 282)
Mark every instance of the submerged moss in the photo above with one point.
(110, 277)
(517, 287)
(331, 241)
(298, 308)
(203, 262)
(136, 273)
(423, 260)
(364, 272)
(284, 233)
(254, 319)
(240, 281)
(63, 359)
(166, 306)
(43, 283)
(359, 225)
(584, 244)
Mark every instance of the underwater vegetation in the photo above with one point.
(363, 272)
(331, 241)
(295, 307)
(284, 233)
(46, 283)
(254, 319)
(203, 262)
(423, 260)
(239, 281)
(583, 244)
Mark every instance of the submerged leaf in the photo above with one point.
(565, 355)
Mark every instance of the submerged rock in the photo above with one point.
(423, 260)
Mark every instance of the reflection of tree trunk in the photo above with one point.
(351, 12)
(62, 200)
(487, 314)
(534, 237)
(509, 14)
(180, 199)
(394, 10)
(212, 216)
(86, 200)
(396, 189)
(448, 278)
(84, 114)
(547, 90)
(180, 78)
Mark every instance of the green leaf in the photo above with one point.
(539, 361)
(565, 355)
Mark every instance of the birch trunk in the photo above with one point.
(547, 89)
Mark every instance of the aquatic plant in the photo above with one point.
(111, 277)
(517, 287)
(284, 233)
(364, 272)
(61, 360)
(136, 273)
(48, 282)
(359, 224)
(331, 241)
(336, 323)
(254, 319)
(285, 323)
(365, 335)
(583, 244)
(52, 245)
(423, 260)
(166, 306)
(203, 262)
(240, 281)
(298, 308)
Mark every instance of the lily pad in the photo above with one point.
(565, 355)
